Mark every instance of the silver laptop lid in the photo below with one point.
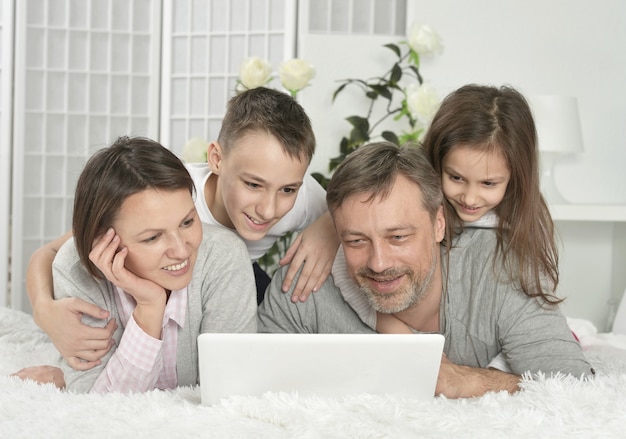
(330, 365)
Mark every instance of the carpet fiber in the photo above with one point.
(546, 407)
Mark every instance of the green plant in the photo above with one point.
(398, 94)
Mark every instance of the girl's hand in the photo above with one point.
(109, 258)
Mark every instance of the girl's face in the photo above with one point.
(474, 181)
(162, 232)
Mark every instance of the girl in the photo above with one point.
(483, 143)
(140, 252)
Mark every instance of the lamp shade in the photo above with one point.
(558, 123)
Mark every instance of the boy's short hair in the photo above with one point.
(272, 111)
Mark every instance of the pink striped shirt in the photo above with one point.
(142, 362)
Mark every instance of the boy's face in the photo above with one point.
(257, 185)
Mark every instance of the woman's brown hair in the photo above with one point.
(111, 175)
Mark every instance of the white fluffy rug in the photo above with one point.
(556, 407)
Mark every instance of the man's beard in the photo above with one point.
(401, 299)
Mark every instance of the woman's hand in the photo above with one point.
(109, 258)
(150, 297)
(42, 375)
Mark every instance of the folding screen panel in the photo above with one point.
(6, 101)
(204, 44)
(348, 17)
(86, 71)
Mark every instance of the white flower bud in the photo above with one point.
(295, 74)
(254, 72)
(424, 40)
(195, 151)
(422, 101)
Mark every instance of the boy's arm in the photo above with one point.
(61, 319)
(314, 250)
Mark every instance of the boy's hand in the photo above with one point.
(314, 250)
(73, 339)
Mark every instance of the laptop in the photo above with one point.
(326, 365)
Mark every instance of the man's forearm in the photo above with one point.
(465, 382)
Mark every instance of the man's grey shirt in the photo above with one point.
(481, 314)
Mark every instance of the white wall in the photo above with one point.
(568, 47)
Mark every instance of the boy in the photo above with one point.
(254, 182)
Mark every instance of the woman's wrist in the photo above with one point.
(149, 317)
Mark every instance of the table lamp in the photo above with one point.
(558, 134)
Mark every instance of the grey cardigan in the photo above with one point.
(221, 298)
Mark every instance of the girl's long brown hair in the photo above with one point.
(490, 118)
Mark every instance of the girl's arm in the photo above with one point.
(61, 319)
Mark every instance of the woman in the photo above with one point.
(140, 251)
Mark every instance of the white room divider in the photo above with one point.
(87, 71)
(6, 102)
(204, 44)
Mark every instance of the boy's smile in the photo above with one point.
(253, 185)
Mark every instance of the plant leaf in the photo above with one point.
(339, 89)
(414, 58)
(360, 123)
(381, 90)
(390, 137)
(396, 74)
(321, 179)
(393, 47)
(335, 161)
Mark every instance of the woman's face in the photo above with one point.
(162, 232)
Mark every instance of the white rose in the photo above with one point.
(254, 72)
(424, 40)
(195, 151)
(295, 74)
(422, 101)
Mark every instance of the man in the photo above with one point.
(386, 203)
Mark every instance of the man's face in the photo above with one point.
(391, 246)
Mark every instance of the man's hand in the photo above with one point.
(73, 339)
(42, 375)
(314, 250)
(457, 381)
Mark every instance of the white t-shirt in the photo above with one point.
(310, 204)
